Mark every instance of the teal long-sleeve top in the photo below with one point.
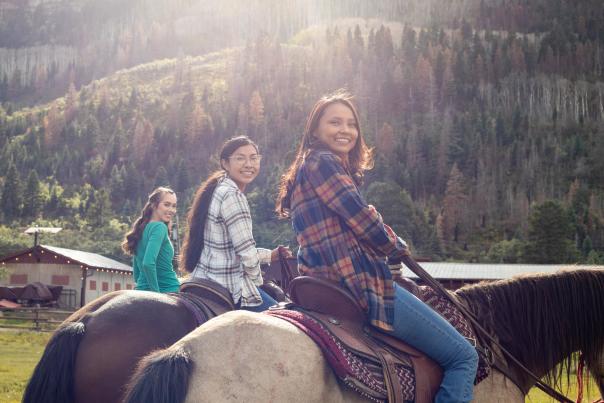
(152, 263)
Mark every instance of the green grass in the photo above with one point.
(21, 350)
(537, 396)
(19, 354)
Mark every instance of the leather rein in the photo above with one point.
(436, 286)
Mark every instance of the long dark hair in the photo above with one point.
(134, 235)
(360, 157)
(198, 213)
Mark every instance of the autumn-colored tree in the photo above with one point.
(424, 81)
(53, 125)
(385, 142)
(452, 225)
(71, 103)
(256, 109)
(142, 140)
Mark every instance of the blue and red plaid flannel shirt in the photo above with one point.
(342, 238)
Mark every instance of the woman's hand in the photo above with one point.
(283, 250)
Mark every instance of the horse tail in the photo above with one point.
(162, 376)
(52, 380)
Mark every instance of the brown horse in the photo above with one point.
(91, 356)
(241, 356)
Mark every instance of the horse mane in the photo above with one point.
(566, 307)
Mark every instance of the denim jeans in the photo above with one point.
(420, 326)
(267, 301)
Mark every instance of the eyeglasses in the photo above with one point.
(241, 159)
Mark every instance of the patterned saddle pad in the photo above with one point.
(365, 376)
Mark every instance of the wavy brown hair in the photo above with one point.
(198, 213)
(134, 235)
(360, 158)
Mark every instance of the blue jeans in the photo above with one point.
(420, 326)
(267, 301)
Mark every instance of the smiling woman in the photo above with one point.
(219, 244)
(149, 244)
(342, 238)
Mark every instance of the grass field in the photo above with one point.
(19, 353)
(21, 350)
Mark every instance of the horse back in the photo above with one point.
(118, 334)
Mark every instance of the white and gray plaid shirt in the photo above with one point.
(229, 254)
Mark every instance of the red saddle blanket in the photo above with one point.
(364, 376)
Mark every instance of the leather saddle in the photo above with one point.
(337, 310)
(216, 298)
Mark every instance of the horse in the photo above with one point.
(92, 354)
(543, 319)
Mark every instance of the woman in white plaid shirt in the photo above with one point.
(219, 244)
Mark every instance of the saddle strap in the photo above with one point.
(196, 306)
(425, 386)
(393, 386)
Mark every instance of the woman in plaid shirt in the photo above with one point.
(219, 244)
(342, 238)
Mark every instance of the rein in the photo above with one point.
(428, 279)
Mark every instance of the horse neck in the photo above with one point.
(543, 319)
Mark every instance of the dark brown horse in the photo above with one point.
(93, 353)
(241, 356)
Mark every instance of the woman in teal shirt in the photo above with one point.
(149, 244)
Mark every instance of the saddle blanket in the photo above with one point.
(363, 375)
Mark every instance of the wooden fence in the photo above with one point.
(41, 319)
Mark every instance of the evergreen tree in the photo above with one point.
(32, 196)
(116, 186)
(12, 196)
(586, 246)
(99, 208)
(183, 180)
(550, 235)
(161, 178)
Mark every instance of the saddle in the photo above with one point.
(335, 308)
(216, 298)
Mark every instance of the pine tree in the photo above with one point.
(116, 187)
(32, 196)
(161, 178)
(99, 208)
(183, 180)
(12, 196)
(550, 235)
(586, 247)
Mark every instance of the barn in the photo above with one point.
(84, 276)
(454, 275)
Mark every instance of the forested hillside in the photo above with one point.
(487, 129)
